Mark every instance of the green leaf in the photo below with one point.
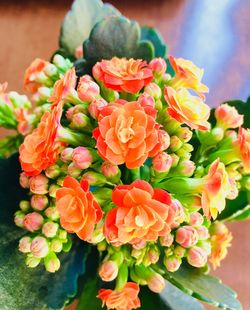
(234, 206)
(171, 298)
(243, 108)
(79, 21)
(204, 287)
(239, 215)
(152, 35)
(88, 296)
(10, 144)
(22, 287)
(116, 36)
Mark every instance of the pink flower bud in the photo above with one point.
(111, 172)
(24, 244)
(87, 89)
(172, 263)
(164, 140)
(179, 251)
(228, 117)
(108, 271)
(24, 205)
(152, 89)
(33, 221)
(79, 120)
(66, 154)
(79, 52)
(153, 255)
(96, 106)
(186, 236)
(175, 159)
(158, 66)
(24, 180)
(146, 100)
(50, 229)
(156, 283)
(39, 202)
(139, 244)
(197, 257)
(94, 178)
(175, 143)
(19, 218)
(162, 162)
(177, 214)
(51, 262)
(39, 247)
(39, 184)
(167, 240)
(82, 157)
(196, 219)
(73, 171)
(32, 261)
(56, 245)
(185, 168)
(52, 213)
(52, 171)
(202, 232)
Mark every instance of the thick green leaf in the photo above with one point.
(171, 298)
(88, 297)
(234, 206)
(152, 35)
(22, 288)
(243, 108)
(240, 215)
(79, 21)
(116, 36)
(204, 287)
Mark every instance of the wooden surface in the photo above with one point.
(215, 34)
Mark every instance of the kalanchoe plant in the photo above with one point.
(127, 178)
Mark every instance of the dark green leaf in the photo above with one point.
(152, 35)
(79, 21)
(116, 36)
(22, 288)
(204, 287)
(239, 215)
(88, 296)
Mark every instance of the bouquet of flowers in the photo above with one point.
(124, 180)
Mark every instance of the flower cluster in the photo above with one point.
(113, 158)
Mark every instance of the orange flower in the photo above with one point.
(123, 75)
(40, 148)
(187, 75)
(124, 299)
(217, 187)
(187, 109)
(63, 87)
(30, 77)
(220, 240)
(79, 211)
(141, 213)
(242, 145)
(228, 117)
(128, 133)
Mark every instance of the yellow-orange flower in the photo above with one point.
(187, 109)
(187, 75)
(123, 75)
(221, 239)
(228, 117)
(242, 145)
(79, 211)
(217, 187)
(142, 213)
(124, 299)
(31, 82)
(63, 87)
(128, 133)
(40, 148)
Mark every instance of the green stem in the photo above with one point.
(135, 174)
(74, 138)
(181, 185)
(122, 278)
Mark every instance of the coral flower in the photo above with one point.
(242, 145)
(187, 109)
(63, 87)
(187, 75)
(217, 187)
(128, 133)
(31, 82)
(79, 211)
(40, 148)
(228, 117)
(141, 213)
(124, 299)
(220, 240)
(123, 75)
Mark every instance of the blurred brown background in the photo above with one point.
(215, 34)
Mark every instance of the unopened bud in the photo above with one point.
(108, 271)
(51, 262)
(175, 160)
(184, 134)
(66, 155)
(153, 255)
(87, 89)
(152, 89)
(39, 202)
(39, 247)
(44, 93)
(52, 190)
(32, 261)
(179, 251)
(196, 219)
(96, 106)
(33, 221)
(56, 245)
(52, 213)
(24, 205)
(111, 172)
(82, 157)
(175, 143)
(167, 240)
(158, 66)
(24, 180)
(24, 244)
(172, 263)
(156, 283)
(202, 232)
(62, 235)
(197, 257)
(80, 120)
(162, 162)
(102, 246)
(94, 178)
(39, 184)
(52, 171)
(186, 236)
(185, 168)
(50, 229)
(61, 63)
(73, 171)
(50, 70)
(19, 218)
